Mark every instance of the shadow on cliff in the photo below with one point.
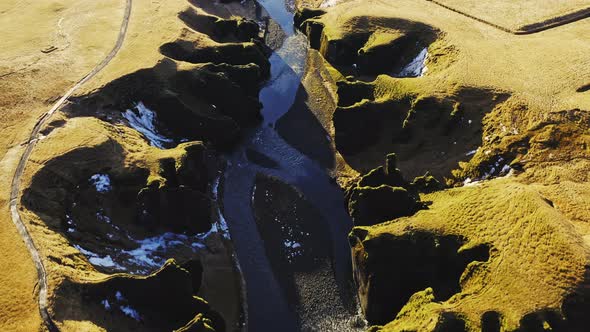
(300, 128)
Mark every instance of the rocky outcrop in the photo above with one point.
(177, 197)
(365, 45)
(219, 29)
(428, 132)
(382, 195)
(115, 199)
(189, 87)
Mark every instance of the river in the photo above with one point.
(313, 292)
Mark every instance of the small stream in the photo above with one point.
(326, 299)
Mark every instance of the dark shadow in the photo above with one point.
(491, 322)
(261, 159)
(361, 52)
(390, 269)
(427, 134)
(295, 236)
(300, 128)
(163, 301)
(450, 322)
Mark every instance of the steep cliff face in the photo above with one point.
(163, 301)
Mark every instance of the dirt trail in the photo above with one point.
(29, 146)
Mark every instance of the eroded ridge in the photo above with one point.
(135, 184)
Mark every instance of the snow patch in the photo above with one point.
(106, 304)
(150, 254)
(143, 120)
(97, 260)
(220, 226)
(127, 310)
(106, 261)
(416, 67)
(100, 216)
(102, 182)
(497, 169)
(328, 3)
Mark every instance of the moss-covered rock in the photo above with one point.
(381, 195)
(371, 205)
(370, 44)
(426, 183)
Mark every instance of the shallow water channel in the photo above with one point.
(294, 255)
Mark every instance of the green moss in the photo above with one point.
(426, 183)
(380, 39)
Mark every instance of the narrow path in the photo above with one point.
(30, 145)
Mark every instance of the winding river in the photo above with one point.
(324, 298)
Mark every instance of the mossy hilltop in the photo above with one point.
(499, 124)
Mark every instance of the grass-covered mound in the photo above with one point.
(535, 270)
(501, 121)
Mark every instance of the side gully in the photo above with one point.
(29, 146)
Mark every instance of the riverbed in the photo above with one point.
(286, 216)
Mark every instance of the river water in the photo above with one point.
(324, 298)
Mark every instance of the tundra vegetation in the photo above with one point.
(458, 131)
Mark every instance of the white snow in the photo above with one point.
(106, 304)
(127, 310)
(498, 169)
(292, 244)
(220, 226)
(106, 261)
(97, 260)
(416, 67)
(101, 182)
(119, 296)
(151, 251)
(150, 254)
(328, 3)
(293, 249)
(100, 216)
(471, 153)
(143, 120)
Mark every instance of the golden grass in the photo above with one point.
(83, 33)
(515, 14)
(536, 257)
(535, 221)
(546, 68)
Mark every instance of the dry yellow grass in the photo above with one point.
(516, 14)
(83, 32)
